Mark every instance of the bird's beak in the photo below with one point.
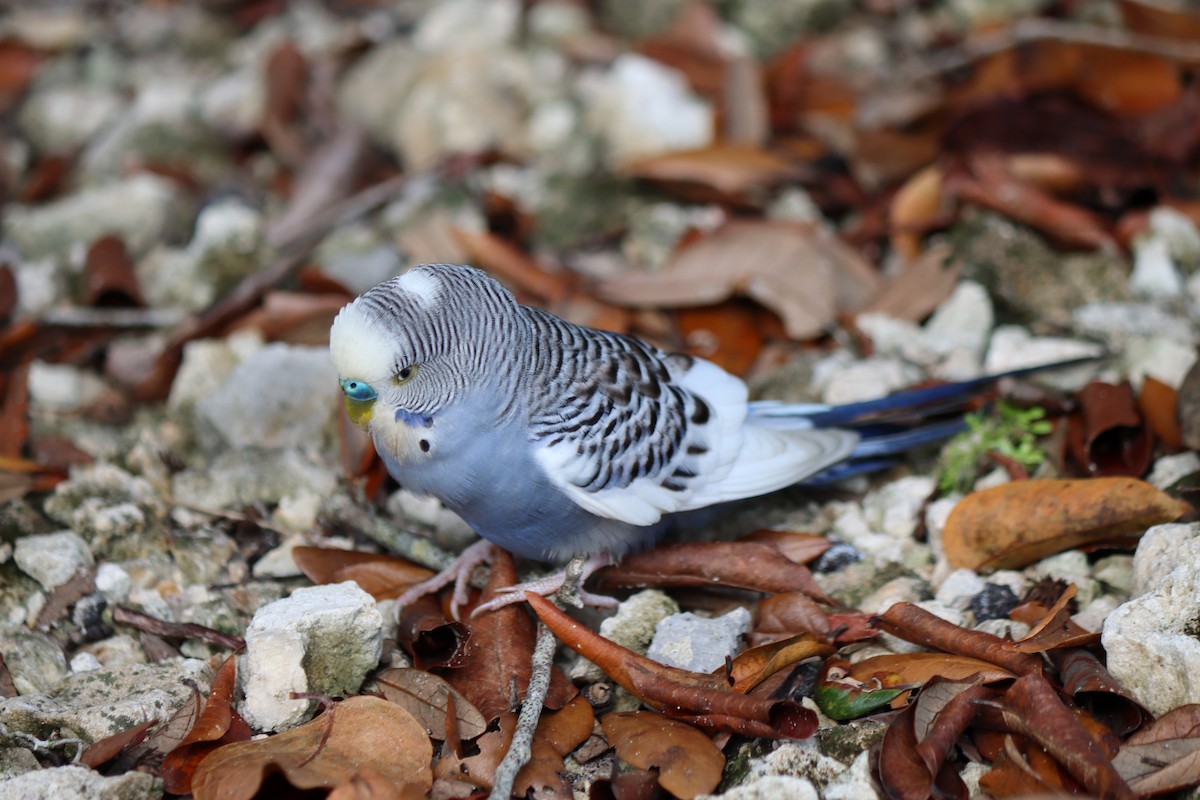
(360, 401)
(360, 411)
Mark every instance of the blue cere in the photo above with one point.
(357, 390)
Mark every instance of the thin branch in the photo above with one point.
(520, 750)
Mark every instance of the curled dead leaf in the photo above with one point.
(1107, 435)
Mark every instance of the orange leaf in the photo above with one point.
(354, 736)
(919, 668)
(1157, 402)
(752, 667)
(730, 334)
(688, 763)
(1009, 526)
(218, 724)
(916, 209)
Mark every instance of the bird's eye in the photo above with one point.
(405, 375)
(357, 390)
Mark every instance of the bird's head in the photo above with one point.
(414, 345)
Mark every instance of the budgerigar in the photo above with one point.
(554, 440)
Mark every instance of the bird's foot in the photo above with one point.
(567, 583)
(459, 572)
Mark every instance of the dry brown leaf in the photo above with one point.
(1010, 526)
(479, 769)
(494, 674)
(218, 724)
(8, 293)
(568, 727)
(1106, 435)
(18, 65)
(108, 270)
(688, 763)
(296, 317)
(499, 257)
(914, 624)
(727, 168)
(988, 182)
(916, 209)
(919, 668)
(368, 785)
(430, 637)
(1157, 402)
(745, 565)
(427, 697)
(558, 733)
(380, 575)
(701, 699)
(790, 612)
(799, 547)
(356, 735)
(804, 275)
(920, 288)
(110, 747)
(1032, 707)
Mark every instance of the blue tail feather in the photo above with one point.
(881, 422)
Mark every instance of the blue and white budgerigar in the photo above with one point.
(554, 440)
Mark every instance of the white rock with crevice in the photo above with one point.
(697, 643)
(1151, 643)
(323, 639)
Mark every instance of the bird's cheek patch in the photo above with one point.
(360, 411)
(412, 419)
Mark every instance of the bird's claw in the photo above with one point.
(566, 584)
(459, 572)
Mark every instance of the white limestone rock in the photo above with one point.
(52, 559)
(322, 639)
